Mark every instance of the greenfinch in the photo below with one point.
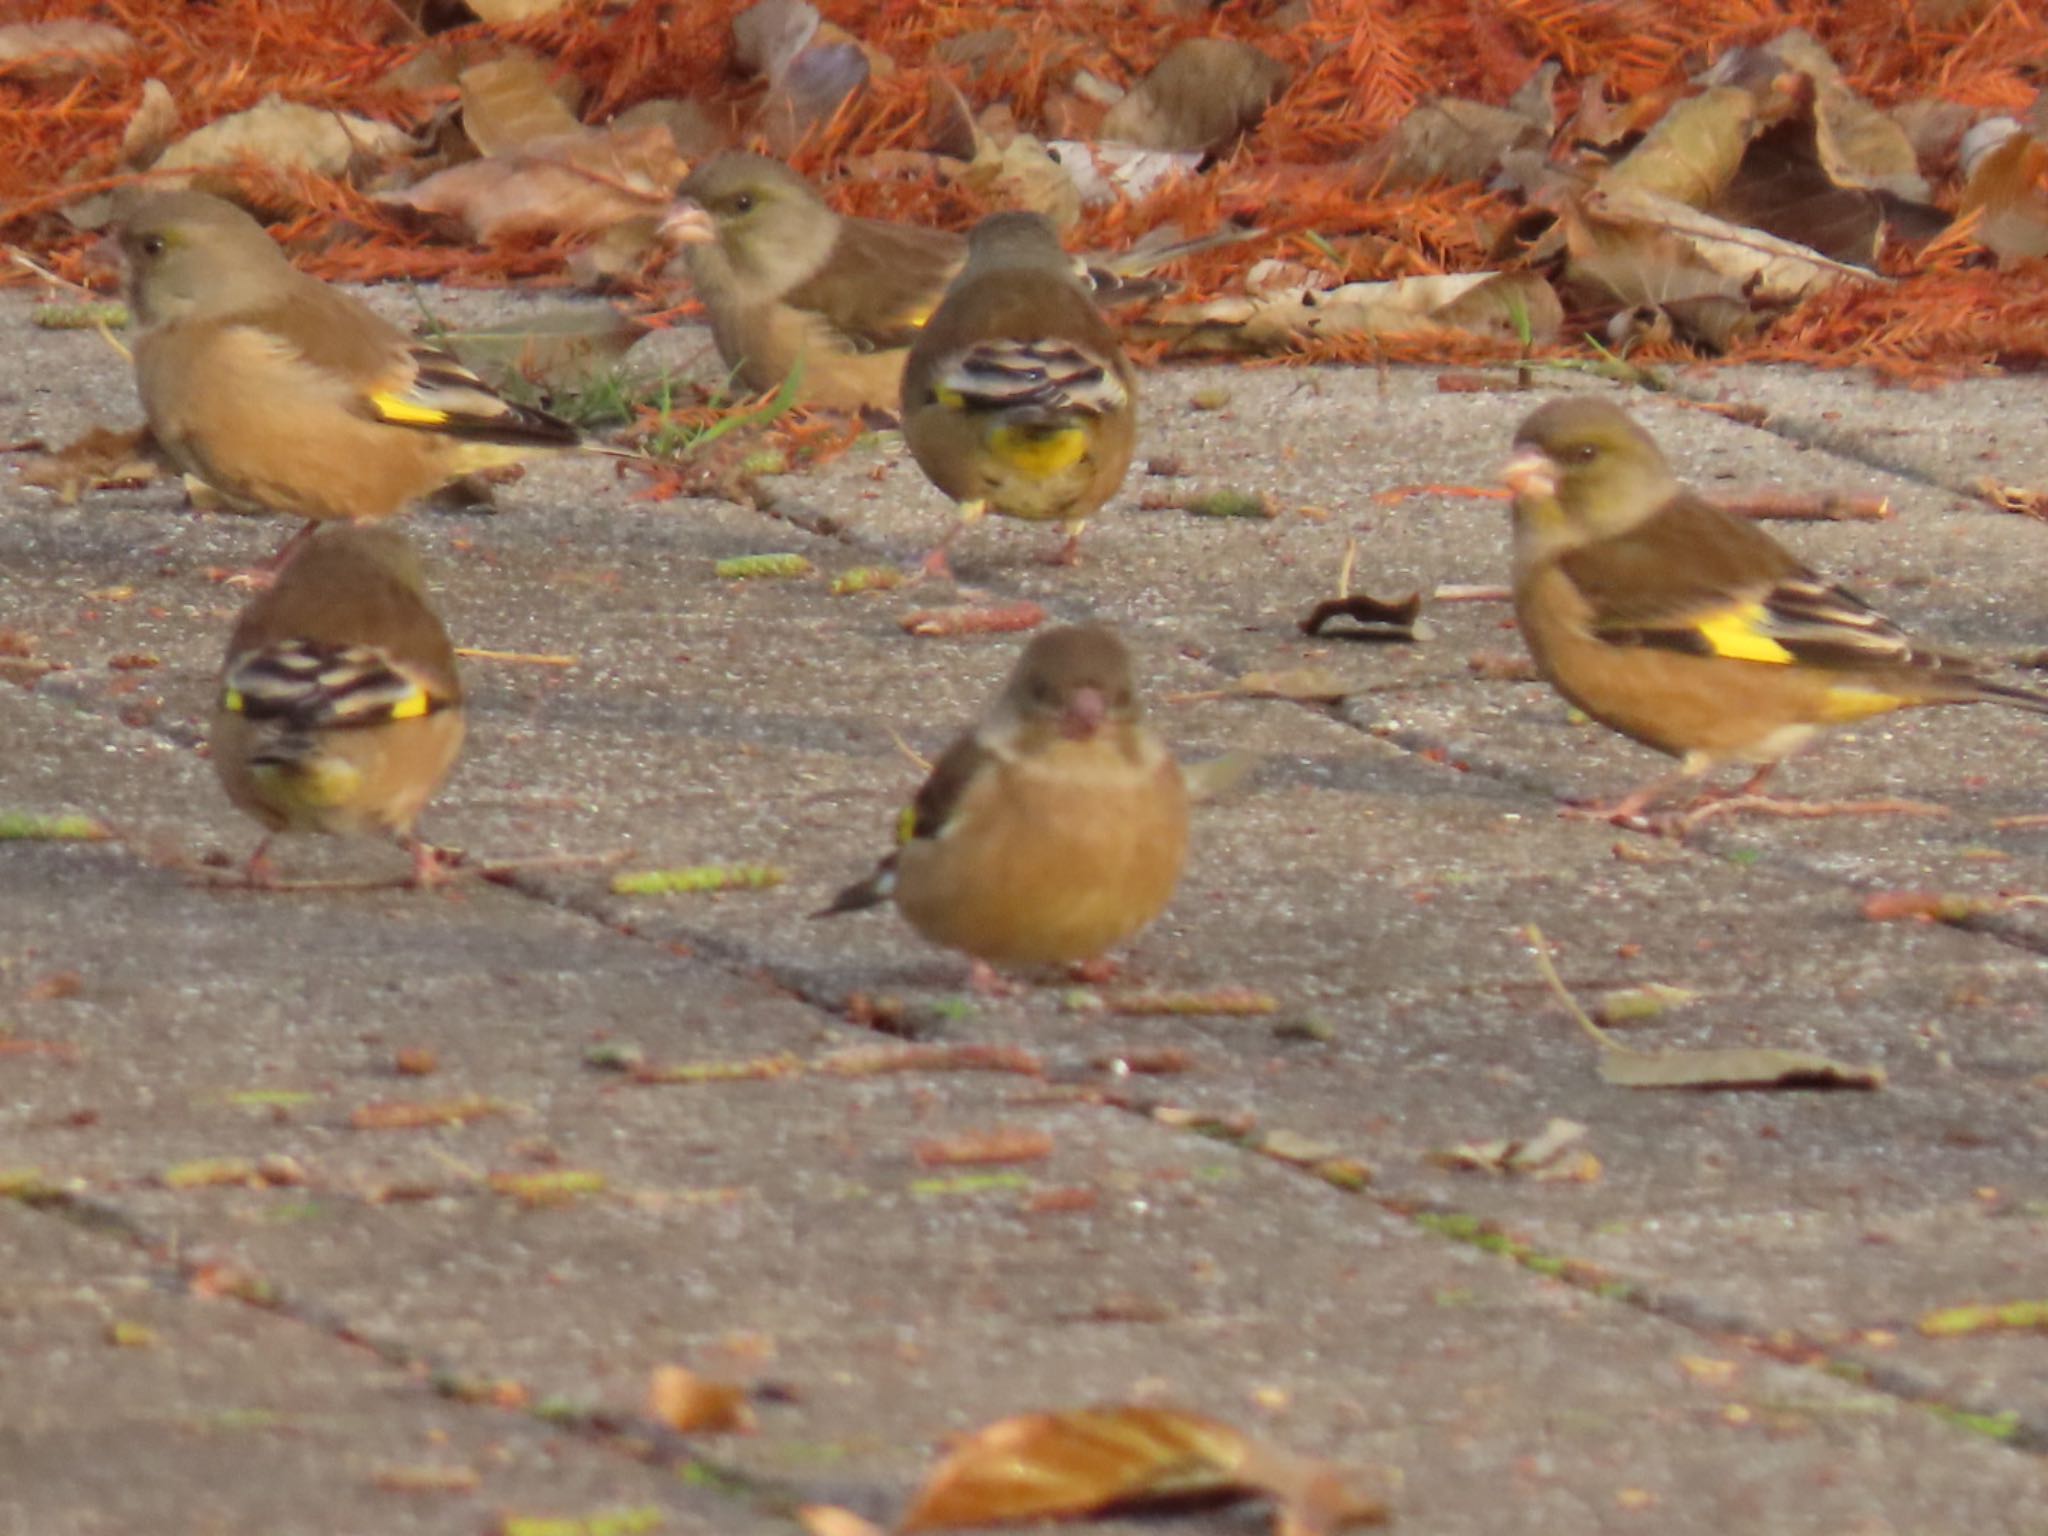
(284, 393)
(339, 708)
(788, 282)
(1017, 397)
(1688, 628)
(1051, 832)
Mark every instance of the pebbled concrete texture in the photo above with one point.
(1718, 1333)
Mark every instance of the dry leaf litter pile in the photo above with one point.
(1819, 183)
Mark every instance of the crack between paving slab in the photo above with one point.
(630, 1436)
(644, 1441)
(1814, 432)
(2011, 1428)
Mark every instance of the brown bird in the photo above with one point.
(1017, 398)
(282, 392)
(339, 708)
(787, 280)
(1690, 629)
(1052, 831)
(784, 278)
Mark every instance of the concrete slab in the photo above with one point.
(1374, 876)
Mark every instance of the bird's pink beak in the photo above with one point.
(688, 223)
(1530, 472)
(1084, 714)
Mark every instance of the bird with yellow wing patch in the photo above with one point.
(339, 709)
(281, 392)
(1017, 398)
(1690, 629)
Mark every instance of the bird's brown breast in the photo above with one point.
(1051, 859)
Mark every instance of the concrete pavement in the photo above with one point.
(1716, 1334)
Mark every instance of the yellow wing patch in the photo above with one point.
(1734, 634)
(404, 412)
(231, 701)
(1038, 453)
(906, 824)
(413, 706)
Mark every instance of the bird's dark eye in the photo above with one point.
(1582, 453)
(742, 202)
(152, 245)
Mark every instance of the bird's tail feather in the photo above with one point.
(871, 892)
(2010, 693)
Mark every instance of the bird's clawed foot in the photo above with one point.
(1097, 972)
(984, 981)
(1069, 552)
(432, 866)
(934, 566)
(1629, 812)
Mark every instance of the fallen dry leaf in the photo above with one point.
(1219, 775)
(1376, 618)
(1503, 306)
(58, 984)
(872, 1060)
(102, 458)
(696, 1405)
(1926, 906)
(55, 1050)
(1225, 1002)
(417, 1114)
(1501, 667)
(554, 1186)
(1106, 174)
(1022, 173)
(1716, 280)
(2007, 196)
(831, 1520)
(1743, 1067)
(1734, 1068)
(1099, 1460)
(1449, 139)
(1692, 152)
(576, 183)
(1285, 1146)
(428, 1479)
(1299, 685)
(2020, 500)
(287, 136)
(1957, 1322)
(60, 49)
(812, 66)
(506, 12)
(1547, 1156)
(755, 1069)
(1632, 1005)
(1808, 507)
(1012, 1144)
(510, 101)
(945, 623)
(212, 1172)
